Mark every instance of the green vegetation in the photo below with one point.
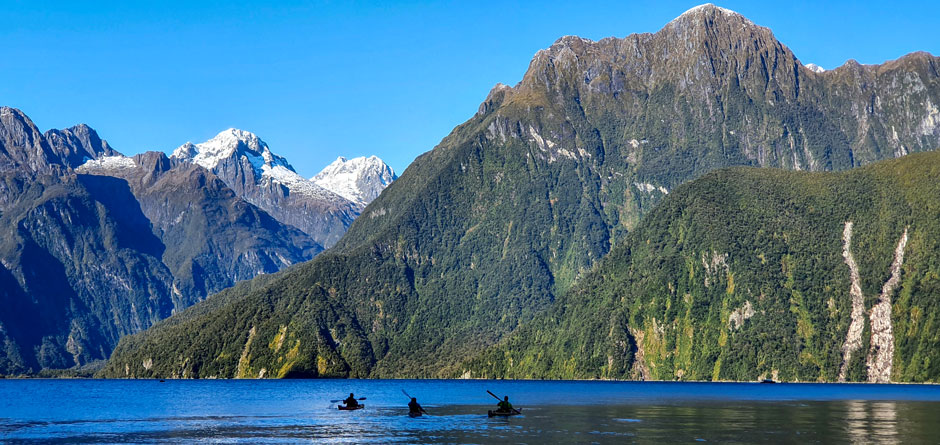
(517, 205)
(660, 305)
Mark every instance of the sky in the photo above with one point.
(317, 80)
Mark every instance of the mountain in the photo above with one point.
(359, 180)
(95, 246)
(814, 68)
(749, 273)
(23, 147)
(213, 238)
(246, 164)
(479, 235)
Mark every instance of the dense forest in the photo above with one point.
(741, 275)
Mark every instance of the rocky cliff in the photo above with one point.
(95, 246)
(246, 164)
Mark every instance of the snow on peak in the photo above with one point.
(814, 68)
(231, 143)
(239, 146)
(296, 183)
(106, 164)
(359, 179)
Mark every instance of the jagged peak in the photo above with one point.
(227, 144)
(815, 68)
(8, 113)
(571, 39)
(499, 87)
(4, 110)
(496, 95)
(359, 179)
(361, 162)
(707, 9)
(706, 14)
(231, 139)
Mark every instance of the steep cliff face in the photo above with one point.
(713, 89)
(22, 146)
(813, 271)
(246, 164)
(515, 205)
(213, 237)
(105, 249)
(81, 269)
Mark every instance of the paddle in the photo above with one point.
(409, 398)
(497, 398)
(341, 400)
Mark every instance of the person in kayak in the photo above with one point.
(414, 407)
(351, 401)
(504, 406)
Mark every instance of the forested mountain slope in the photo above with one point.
(757, 273)
(480, 234)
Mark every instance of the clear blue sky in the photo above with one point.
(321, 79)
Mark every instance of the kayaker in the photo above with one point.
(504, 406)
(351, 401)
(414, 407)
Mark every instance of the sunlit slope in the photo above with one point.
(745, 274)
(479, 235)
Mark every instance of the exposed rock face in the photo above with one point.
(213, 237)
(359, 180)
(714, 83)
(22, 146)
(740, 315)
(881, 347)
(246, 164)
(853, 339)
(74, 146)
(105, 249)
(881, 353)
(81, 268)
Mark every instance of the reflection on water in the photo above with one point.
(824, 422)
(872, 421)
(559, 412)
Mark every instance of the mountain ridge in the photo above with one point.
(98, 245)
(248, 166)
(514, 206)
(359, 180)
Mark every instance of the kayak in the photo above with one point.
(503, 413)
(345, 408)
(411, 414)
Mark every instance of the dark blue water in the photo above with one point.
(263, 411)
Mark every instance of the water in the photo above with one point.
(253, 411)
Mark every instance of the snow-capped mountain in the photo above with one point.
(230, 154)
(815, 68)
(246, 164)
(98, 245)
(359, 179)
